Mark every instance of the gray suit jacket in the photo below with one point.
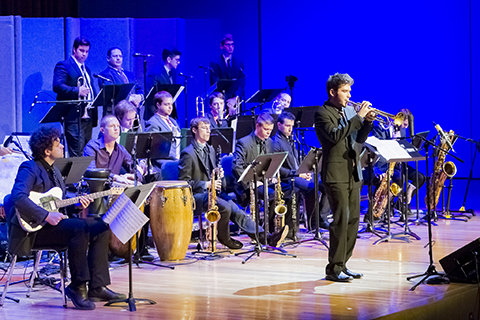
(157, 124)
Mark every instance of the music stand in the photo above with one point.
(264, 167)
(304, 120)
(368, 160)
(222, 137)
(263, 96)
(312, 163)
(395, 151)
(111, 94)
(225, 86)
(138, 195)
(72, 169)
(173, 89)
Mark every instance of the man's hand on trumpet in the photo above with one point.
(367, 112)
(83, 91)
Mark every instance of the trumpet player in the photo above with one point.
(197, 162)
(397, 129)
(339, 128)
(217, 114)
(72, 80)
(283, 141)
(280, 103)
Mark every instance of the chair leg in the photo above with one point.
(63, 272)
(38, 256)
(9, 277)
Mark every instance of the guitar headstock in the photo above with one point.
(116, 190)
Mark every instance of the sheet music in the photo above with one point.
(124, 218)
(244, 173)
(389, 149)
(178, 93)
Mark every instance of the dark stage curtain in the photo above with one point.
(39, 8)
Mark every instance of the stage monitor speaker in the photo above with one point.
(463, 265)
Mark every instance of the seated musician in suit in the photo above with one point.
(87, 240)
(165, 74)
(396, 129)
(162, 122)
(118, 75)
(246, 150)
(283, 141)
(197, 162)
(280, 103)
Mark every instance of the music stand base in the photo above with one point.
(131, 301)
(369, 228)
(138, 261)
(264, 249)
(391, 236)
(431, 271)
(318, 237)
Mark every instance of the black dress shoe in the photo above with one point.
(78, 295)
(352, 274)
(324, 224)
(147, 257)
(104, 294)
(276, 239)
(341, 277)
(232, 244)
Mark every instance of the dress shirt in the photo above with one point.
(118, 159)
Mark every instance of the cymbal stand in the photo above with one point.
(259, 248)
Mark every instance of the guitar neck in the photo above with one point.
(67, 202)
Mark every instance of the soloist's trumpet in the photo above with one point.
(382, 116)
(197, 101)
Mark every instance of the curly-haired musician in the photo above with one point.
(87, 240)
(338, 128)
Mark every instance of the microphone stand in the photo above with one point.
(431, 271)
(186, 107)
(144, 81)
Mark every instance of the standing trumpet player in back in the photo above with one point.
(72, 80)
(339, 128)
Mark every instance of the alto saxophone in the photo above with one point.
(280, 207)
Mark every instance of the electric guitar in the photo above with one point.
(52, 201)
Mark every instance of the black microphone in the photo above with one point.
(203, 67)
(243, 72)
(8, 141)
(443, 135)
(410, 126)
(34, 102)
(102, 77)
(185, 75)
(142, 55)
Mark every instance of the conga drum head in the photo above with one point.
(97, 173)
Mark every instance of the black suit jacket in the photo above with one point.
(246, 151)
(219, 70)
(340, 143)
(280, 143)
(65, 78)
(31, 176)
(160, 76)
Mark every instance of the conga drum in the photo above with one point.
(171, 218)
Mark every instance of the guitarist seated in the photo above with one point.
(54, 229)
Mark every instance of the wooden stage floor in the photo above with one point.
(277, 287)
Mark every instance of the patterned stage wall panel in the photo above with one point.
(42, 47)
(413, 55)
(7, 74)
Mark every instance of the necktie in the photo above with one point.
(124, 76)
(262, 147)
(294, 152)
(87, 82)
(170, 75)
